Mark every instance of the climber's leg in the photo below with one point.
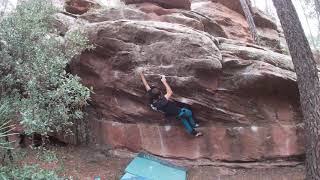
(187, 125)
(184, 118)
(192, 122)
(188, 114)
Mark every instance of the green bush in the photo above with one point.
(32, 69)
(28, 172)
(47, 156)
(6, 127)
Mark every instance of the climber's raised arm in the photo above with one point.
(168, 88)
(146, 85)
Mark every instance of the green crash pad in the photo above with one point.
(152, 168)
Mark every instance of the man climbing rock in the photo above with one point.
(162, 103)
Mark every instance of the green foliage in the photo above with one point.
(47, 156)
(32, 69)
(19, 154)
(14, 170)
(5, 126)
(28, 172)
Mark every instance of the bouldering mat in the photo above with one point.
(129, 176)
(153, 168)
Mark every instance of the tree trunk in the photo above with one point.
(250, 21)
(308, 83)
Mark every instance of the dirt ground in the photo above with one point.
(85, 163)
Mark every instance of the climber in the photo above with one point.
(162, 103)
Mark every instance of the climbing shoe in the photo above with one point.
(197, 133)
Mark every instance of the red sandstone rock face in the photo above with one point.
(218, 70)
(231, 4)
(263, 21)
(235, 143)
(217, 17)
(245, 96)
(152, 12)
(169, 4)
(233, 23)
(214, 18)
(79, 6)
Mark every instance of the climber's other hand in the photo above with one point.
(163, 78)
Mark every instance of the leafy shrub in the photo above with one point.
(28, 172)
(5, 124)
(47, 156)
(32, 69)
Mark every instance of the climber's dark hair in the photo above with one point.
(154, 93)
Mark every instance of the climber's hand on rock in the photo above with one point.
(140, 70)
(163, 78)
(141, 73)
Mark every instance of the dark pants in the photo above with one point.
(187, 120)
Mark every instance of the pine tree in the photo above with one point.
(308, 82)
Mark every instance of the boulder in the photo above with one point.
(119, 54)
(212, 69)
(168, 4)
(79, 6)
(244, 96)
